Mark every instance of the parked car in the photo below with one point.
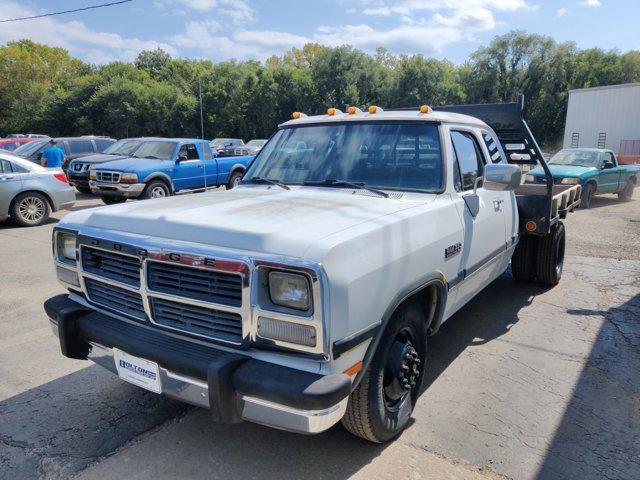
(597, 170)
(307, 295)
(29, 192)
(252, 147)
(37, 135)
(78, 171)
(10, 144)
(16, 135)
(73, 147)
(161, 167)
(225, 146)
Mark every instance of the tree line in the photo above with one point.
(45, 90)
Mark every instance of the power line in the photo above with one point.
(66, 11)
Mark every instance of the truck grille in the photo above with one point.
(197, 320)
(195, 283)
(107, 177)
(121, 268)
(115, 298)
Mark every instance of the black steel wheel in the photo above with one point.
(551, 256)
(382, 403)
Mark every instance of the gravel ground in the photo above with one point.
(524, 382)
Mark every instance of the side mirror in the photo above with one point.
(182, 158)
(607, 164)
(502, 177)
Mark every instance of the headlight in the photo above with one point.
(92, 174)
(529, 179)
(128, 178)
(289, 290)
(570, 181)
(66, 247)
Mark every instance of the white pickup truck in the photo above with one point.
(307, 295)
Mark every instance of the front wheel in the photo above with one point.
(381, 405)
(85, 190)
(156, 189)
(627, 194)
(551, 256)
(110, 200)
(234, 179)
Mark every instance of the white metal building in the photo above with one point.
(605, 117)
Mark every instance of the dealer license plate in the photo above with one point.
(138, 371)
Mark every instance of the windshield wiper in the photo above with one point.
(343, 183)
(267, 180)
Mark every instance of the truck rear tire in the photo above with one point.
(111, 200)
(627, 194)
(587, 195)
(381, 405)
(551, 256)
(234, 179)
(523, 261)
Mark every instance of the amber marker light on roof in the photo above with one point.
(373, 109)
(425, 109)
(297, 115)
(353, 110)
(333, 111)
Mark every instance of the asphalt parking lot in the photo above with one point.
(524, 382)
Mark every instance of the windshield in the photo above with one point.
(122, 147)
(383, 155)
(582, 158)
(156, 150)
(29, 148)
(219, 141)
(256, 143)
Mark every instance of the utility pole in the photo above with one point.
(201, 117)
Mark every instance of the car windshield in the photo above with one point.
(123, 147)
(256, 143)
(219, 141)
(156, 150)
(380, 155)
(29, 148)
(581, 158)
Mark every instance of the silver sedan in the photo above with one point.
(29, 192)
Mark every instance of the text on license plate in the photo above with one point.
(138, 371)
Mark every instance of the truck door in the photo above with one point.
(484, 247)
(609, 179)
(210, 165)
(188, 172)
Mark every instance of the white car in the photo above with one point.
(29, 192)
(307, 295)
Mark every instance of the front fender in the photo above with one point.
(162, 176)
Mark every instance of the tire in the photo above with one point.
(30, 209)
(155, 189)
(85, 190)
(381, 405)
(587, 195)
(109, 200)
(627, 194)
(523, 261)
(234, 179)
(551, 256)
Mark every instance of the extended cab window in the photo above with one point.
(468, 156)
(401, 156)
(206, 152)
(190, 151)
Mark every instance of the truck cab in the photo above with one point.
(307, 295)
(160, 167)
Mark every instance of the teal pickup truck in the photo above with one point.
(597, 170)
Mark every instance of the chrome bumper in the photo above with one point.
(251, 409)
(128, 190)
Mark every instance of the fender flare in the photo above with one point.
(161, 176)
(376, 331)
(237, 166)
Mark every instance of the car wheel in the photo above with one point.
(85, 190)
(30, 209)
(551, 256)
(234, 179)
(627, 194)
(156, 189)
(108, 200)
(523, 261)
(382, 403)
(587, 195)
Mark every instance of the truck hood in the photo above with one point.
(134, 164)
(101, 158)
(251, 218)
(560, 171)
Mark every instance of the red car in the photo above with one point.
(10, 144)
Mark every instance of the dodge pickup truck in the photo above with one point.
(596, 170)
(308, 294)
(161, 167)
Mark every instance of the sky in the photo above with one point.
(256, 29)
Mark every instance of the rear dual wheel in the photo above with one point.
(627, 194)
(540, 258)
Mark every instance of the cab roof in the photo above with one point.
(389, 115)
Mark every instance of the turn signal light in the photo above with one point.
(531, 226)
(353, 369)
(425, 109)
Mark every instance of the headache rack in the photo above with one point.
(541, 205)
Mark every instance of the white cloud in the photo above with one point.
(561, 12)
(238, 11)
(75, 36)
(409, 7)
(592, 3)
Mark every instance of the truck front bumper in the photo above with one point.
(126, 190)
(232, 385)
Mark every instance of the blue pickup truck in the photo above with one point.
(597, 170)
(161, 167)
